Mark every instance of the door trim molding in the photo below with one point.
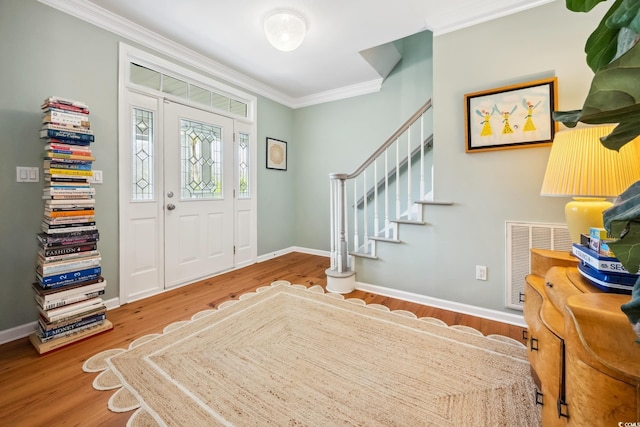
(128, 54)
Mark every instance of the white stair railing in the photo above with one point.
(371, 194)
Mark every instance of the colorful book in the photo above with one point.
(46, 268)
(49, 154)
(608, 282)
(57, 213)
(66, 135)
(72, 310)
(72, 299)
(47, 331)
(56, 164)
(66, 172)
(70, 203)
(70, 281)
(62, 117)
(595, 260)
(47, 239)
(69, 108)
(66, 102)
(55, 230)
(65, 257)
(65, 250)
(52, 126)
(81, 191)
(58, 343)
(69, 221)
(48, 295)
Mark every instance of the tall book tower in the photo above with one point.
(69, 283)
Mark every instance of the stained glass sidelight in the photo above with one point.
(243, 166)
(200, 160)
(143, 144)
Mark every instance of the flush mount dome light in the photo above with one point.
(285, 29)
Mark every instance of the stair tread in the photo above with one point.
(408, 221)
(385, 239)
(363, 255)
(433, 202)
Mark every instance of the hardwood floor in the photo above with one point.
(52, 389)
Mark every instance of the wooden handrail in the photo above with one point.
(428, 145)
(391, 140)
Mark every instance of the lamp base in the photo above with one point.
(582, 213)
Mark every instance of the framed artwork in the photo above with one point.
(276, 154)
(514, 116)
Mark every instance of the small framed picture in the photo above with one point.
(276, 154)
(514, 116)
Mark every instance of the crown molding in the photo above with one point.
(358, 89)
(524, 5)
(102, 18)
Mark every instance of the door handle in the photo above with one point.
(171, 207)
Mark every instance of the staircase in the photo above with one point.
(387, 192)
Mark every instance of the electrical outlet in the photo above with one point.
(481, 272)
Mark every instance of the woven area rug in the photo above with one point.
(291, 356)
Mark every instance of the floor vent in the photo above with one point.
(521, 237)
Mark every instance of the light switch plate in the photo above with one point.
(96, 178)
(27, 174)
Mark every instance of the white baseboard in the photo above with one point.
(26, 330)
(290, 249)
(499, 316)
(17, 332)
(485, 313)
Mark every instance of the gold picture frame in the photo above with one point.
(515, 116)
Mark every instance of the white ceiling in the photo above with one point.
(229, 32)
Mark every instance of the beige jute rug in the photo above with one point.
(291, 356)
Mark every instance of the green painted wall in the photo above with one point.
(46, 52)
(492, 187)
(439, 260)
(337, 137)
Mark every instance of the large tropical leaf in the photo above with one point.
(614, 97)
(602, 44)
(582, 5)
(622, 221)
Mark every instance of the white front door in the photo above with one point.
(198, 194)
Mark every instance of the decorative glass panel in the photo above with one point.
(156, 80)
(243, 165)
(174, 86)
(201, 160)
(143, 145)
(145, 77)
(199, 95)
(239, 108)
(220, 102)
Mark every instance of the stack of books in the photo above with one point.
(69, 283)
(600, 267)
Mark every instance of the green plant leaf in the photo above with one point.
(622, 221)
(627, 249)
(614, 97)
(568, 118)
(582, 5)
(602, 44)
(626, 15)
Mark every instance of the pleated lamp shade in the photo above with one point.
(581, 167)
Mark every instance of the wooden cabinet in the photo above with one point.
(582, 350)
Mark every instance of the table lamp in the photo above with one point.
(581, 167)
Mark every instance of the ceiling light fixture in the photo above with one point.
(285, 29)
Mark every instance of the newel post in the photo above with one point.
(340, 277)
